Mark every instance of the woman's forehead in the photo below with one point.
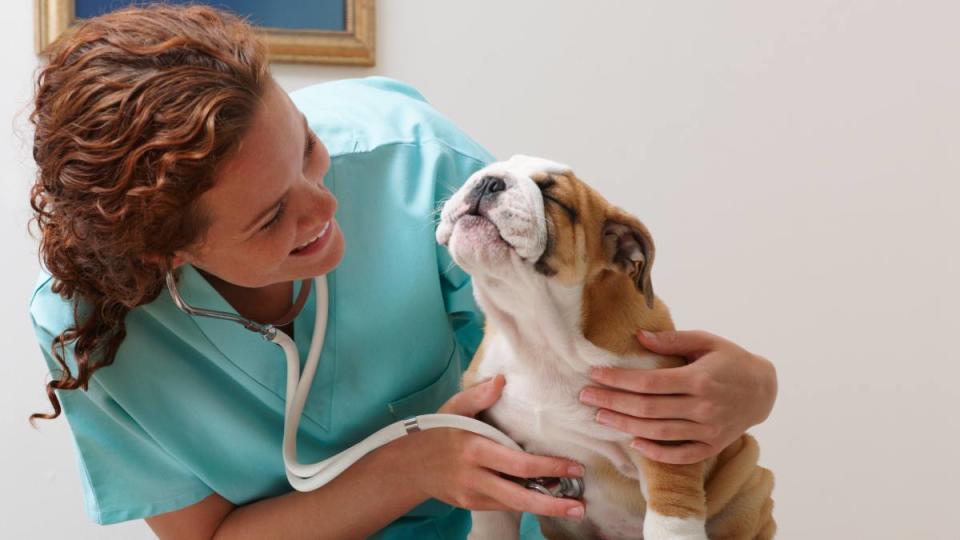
(266, 160)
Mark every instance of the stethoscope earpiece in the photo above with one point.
(266, 330)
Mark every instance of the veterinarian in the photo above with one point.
(162, 143)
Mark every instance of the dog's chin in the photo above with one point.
(476, 245)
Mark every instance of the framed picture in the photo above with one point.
(313, 31)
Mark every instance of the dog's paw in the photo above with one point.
(660, 527)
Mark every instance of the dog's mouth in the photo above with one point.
(480, 230)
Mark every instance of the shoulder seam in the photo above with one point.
(37, 290)
(412, 143)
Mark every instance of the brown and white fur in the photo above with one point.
(563, 279)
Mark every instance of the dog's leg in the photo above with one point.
(676, 501)
(496, 525)
(739, 504)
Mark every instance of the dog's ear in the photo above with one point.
(628, 247)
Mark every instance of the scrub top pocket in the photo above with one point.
(426, 401)
(432, 396)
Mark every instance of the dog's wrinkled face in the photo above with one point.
(535, 216)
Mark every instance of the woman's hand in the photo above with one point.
(460, 468)
(707, 403)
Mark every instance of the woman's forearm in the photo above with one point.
(365, 498)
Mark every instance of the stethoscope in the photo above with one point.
(310, 476)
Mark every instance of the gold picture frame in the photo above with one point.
(356, 45)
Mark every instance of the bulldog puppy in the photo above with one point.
(563, 278)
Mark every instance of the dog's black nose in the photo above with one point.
(492, 184)
(488, 186)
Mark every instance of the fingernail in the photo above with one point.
(575, 470)
(595, 372)
(576, 512)
(588, 396)
(648, 335)
(603, 417)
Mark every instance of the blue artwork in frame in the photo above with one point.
(327, 15)
(315, 31)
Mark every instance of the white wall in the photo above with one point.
(796, 163)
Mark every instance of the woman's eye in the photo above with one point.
(276, 217)
(307, 152)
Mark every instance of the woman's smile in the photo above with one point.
(316, 243)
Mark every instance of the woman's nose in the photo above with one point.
(320, 207)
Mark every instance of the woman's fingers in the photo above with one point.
(679, 454)
(498, 458)
(523, 465)
(687, 343)
(658, 430)
(483, 503)
(676, 380)
(521, 499)
(477, 398)
(642, 405)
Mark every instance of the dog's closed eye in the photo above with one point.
(545, 185)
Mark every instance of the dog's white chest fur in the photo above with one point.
(540, 410)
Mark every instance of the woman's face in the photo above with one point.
(267, 201)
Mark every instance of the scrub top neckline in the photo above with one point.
(259, 359)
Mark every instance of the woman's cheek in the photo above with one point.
(286, 244)
(293, 232)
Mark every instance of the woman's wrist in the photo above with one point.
(405, 459)
(403, 464)
(383, 481)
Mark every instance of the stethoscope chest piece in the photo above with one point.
(569, 488)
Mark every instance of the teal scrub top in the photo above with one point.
(194, 405)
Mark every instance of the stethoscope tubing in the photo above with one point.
(310, 476)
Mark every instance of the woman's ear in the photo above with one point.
(179, 259)
(628, 247)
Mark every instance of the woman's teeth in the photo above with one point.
(314, 239)
(309, 242)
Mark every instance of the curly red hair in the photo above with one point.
(133, 114)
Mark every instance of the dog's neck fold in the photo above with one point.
(554, 322)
